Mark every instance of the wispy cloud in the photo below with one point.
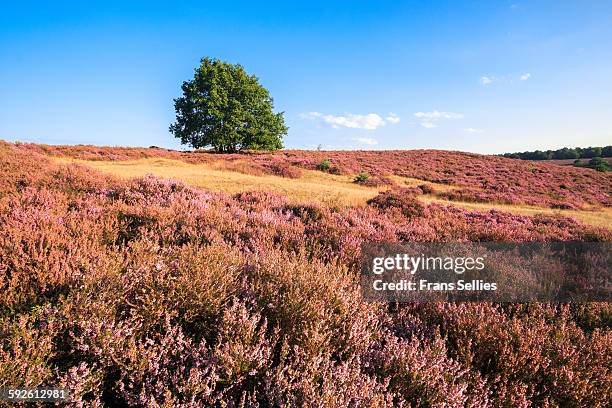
(485, 80)
(435, 115)
(370, 121)
(366, 141)
(473, 130)
(392, 118)
(429, 120)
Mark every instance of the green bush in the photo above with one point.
(325, 165)
(599, 164)
(361, 177)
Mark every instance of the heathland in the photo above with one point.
(149, 277)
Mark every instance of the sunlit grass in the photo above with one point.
(333, 190)
(599, 217)
(311, 186)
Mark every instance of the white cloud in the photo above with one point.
(392, 118)
(435, 115)
(429, 119)
(503, 79)
(366, 141)
(485, 80)
(473, 130)
(370, 121)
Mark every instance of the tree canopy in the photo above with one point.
(226, 108)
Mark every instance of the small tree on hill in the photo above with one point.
(599, 164)
(226, 108)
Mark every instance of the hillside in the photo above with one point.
(134, 289)
(476, 178)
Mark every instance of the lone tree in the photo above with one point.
(226, 108)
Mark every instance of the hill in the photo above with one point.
(138, 289)
(475, 178)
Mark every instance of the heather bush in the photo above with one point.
(314, 305)
(25, 352)
(427, 189)
(420, 371)
(258, 199)
(399, 199)
(375, 181)
(526, 352)
(591, 316)
(240, 166)
(283, 170)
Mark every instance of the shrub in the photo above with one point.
(284, 170)
(377, 181)
(599, 164)
(327, 166)
(399, 199)
(427, 189)
(361, 177)
(324, 165)
(334, 170)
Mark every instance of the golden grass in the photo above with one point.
(598, 218)
(332, 190)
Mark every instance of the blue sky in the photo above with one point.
(481, 76)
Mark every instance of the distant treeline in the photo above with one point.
(565, 153)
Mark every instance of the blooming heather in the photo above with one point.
(479, 178)
(149, 292)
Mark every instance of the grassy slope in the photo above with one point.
(334, 190)
(480, 178)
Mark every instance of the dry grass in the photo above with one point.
(330, 189)
(597, 218)
(333, 190)
(415, 182)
